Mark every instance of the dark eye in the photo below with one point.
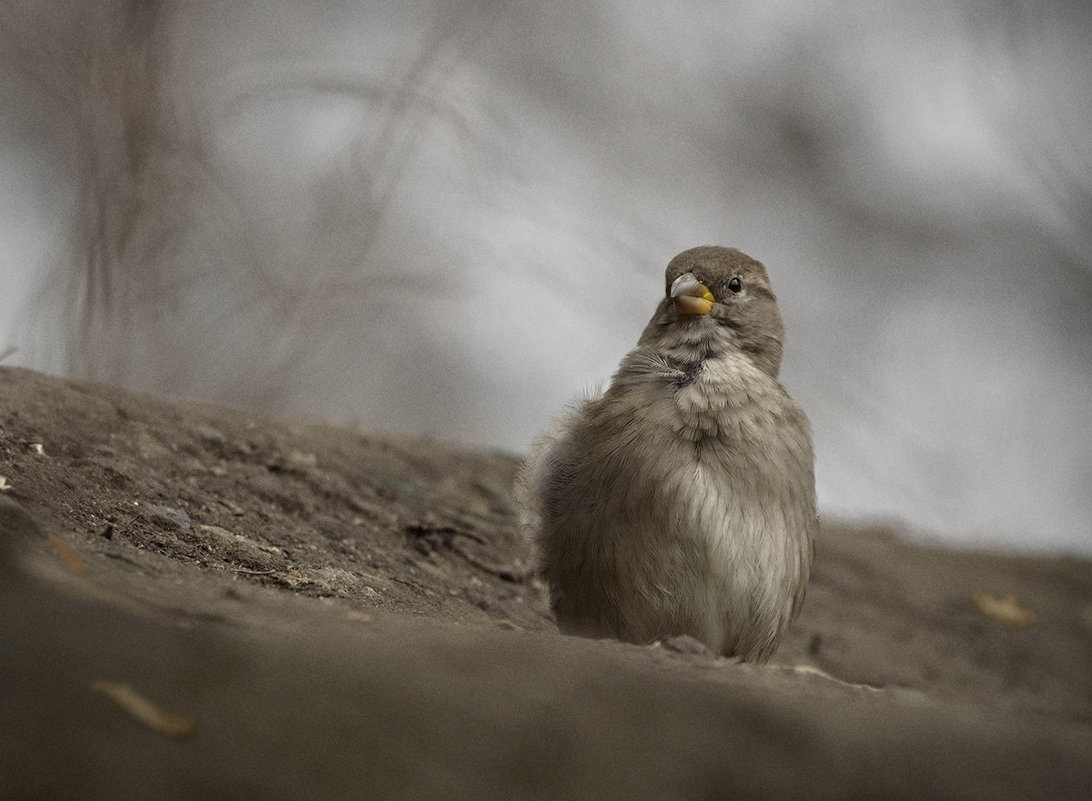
(735, 285)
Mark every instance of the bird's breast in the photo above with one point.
(711, 402)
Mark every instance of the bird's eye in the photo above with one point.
(735, 285)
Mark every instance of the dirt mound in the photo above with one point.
(199, 602)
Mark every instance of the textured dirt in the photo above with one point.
(199, 602)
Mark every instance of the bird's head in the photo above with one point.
(718, 299)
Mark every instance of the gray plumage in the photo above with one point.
(682, 501)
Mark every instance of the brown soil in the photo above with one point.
(200, 603)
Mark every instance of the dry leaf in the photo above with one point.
(69, 556)
(301, 459)
(147, 712)
(4, 485)
(1005, 609)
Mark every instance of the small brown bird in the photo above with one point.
(682, 501)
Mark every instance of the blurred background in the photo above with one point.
(449, 218)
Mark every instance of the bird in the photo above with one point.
(681, 500)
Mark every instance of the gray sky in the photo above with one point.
(450, 218)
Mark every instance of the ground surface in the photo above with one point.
(200, 603)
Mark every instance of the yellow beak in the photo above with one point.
(691, 296)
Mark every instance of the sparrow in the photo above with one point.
(682, 500)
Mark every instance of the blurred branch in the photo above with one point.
(167, 268)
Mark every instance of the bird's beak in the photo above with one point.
(691, 296)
